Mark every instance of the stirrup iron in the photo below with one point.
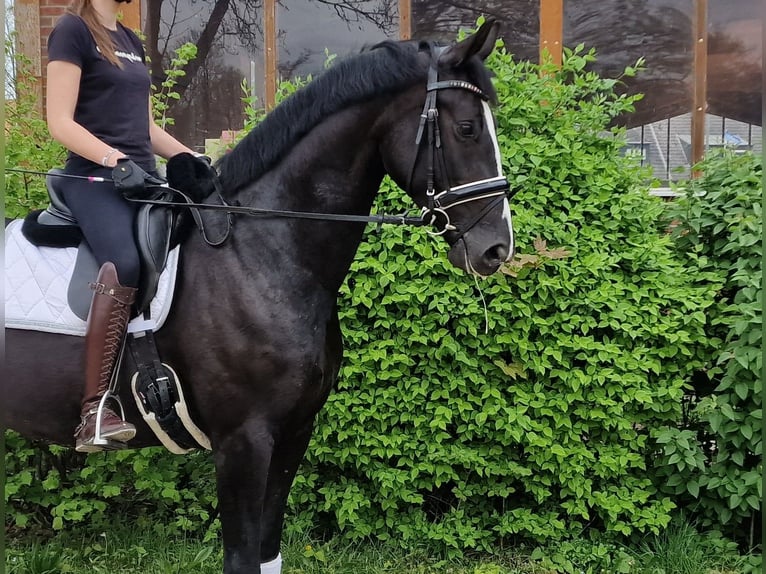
(110, 394)
(98, 440)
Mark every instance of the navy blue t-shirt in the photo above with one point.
(113, 103)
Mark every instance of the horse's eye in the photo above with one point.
(465, 129)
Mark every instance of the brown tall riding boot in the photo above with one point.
(107, 322)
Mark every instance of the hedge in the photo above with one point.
(713, 461)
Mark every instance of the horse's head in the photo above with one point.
(443, 150)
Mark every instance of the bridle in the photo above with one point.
(437, 205)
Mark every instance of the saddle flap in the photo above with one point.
(85, 271)
(154, 226)
(58, 207)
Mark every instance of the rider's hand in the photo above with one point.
(132, 181)
(203, 168)
(205, 162)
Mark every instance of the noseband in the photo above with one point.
(436, 209)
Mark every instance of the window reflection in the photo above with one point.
(622, 31)
(519, 22)
(229, 39)
(661, 32)
(229, 36)
(734, 75)
(312, 30)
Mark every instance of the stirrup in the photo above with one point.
(98, 440)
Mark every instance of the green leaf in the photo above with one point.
(693, 488)
(558, 450)
(742, 390)
(728, 412)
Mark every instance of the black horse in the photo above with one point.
(254, 334)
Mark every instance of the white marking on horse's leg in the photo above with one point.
(273, 566)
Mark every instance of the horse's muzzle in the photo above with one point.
(483, 262)
(483, 248)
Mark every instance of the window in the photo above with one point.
(519, 22)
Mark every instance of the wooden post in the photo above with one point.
(27, 22)
(131, 15)
(700, 83)
(405, 19)
(551, 30)
(270, 52)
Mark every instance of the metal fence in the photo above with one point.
(666, 145)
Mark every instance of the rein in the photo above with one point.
(398, 219)
(401, 219)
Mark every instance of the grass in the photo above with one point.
(680, 550)
(131, 553)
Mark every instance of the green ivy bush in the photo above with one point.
(475, 413)
(55, 487)
(541, 427)
(714, 461)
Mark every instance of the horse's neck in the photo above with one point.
(334, 173)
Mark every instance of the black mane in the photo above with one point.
(383, 69)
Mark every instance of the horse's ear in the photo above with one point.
(481, 44)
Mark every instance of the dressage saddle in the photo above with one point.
(157, 230)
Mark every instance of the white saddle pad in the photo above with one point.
(36, 282)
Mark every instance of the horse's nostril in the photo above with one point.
(496, 254)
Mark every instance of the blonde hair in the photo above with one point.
(84, 9)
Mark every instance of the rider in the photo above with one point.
(98, 107)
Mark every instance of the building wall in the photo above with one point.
(50, 10)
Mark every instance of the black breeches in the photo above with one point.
(107, 222)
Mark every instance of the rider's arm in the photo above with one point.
(64, 82)
(163, 143)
